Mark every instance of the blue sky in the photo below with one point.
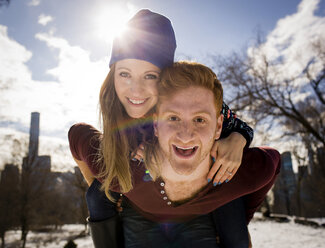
(202, 27)
(54, 53)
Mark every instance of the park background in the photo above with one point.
(269, 55)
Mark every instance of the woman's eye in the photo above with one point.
(124, 74)
(151, 76)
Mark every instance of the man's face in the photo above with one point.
(186, 126)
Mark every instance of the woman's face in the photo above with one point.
(136, 85)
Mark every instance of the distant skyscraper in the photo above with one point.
(33, 137)
(33, 160)
(287, 172)
(10, 174)
(284, 187)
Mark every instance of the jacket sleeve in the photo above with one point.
(84, 141)
(272, 160)
(233, 124)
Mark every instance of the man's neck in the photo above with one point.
(201, 172)
(180, 188)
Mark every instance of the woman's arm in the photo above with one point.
(84, 142)
(85, 171)
(233, 124)
(104, 223)
(227, 152)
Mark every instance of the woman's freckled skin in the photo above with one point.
(136, 86)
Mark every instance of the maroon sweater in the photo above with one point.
(253, 180)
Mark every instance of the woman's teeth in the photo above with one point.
(136, 101)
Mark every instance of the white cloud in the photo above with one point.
(73, 98)
(44, 19)
(292, 38)
(80, 79)
(12, 58)
(34, 2)
(291, 42)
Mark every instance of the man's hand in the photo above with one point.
(228, 153)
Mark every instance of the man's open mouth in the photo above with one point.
(185, 152)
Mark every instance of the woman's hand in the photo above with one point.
(228, 153)
(139, 154)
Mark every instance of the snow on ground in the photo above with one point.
(264, 234)
(269, 234)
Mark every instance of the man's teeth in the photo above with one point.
(136, 101)
(185, 148)
(185, 151)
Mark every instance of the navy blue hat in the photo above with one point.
(149, 36)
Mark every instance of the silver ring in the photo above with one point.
(229, 173)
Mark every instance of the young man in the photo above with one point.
(186, 124)
(170, 194)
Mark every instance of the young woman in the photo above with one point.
(127, 98)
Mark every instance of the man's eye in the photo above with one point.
(199, 120)
(151, 76)
(173, 118)
(124, 74)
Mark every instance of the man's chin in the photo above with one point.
(183, 168)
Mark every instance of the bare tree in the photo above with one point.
(260, 88)
(9, 204)
(275, 97)
(36, 189)
(81, 187)
(70, 205)
(312, 202)
(10, 187)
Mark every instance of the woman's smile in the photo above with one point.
(137, 102)
(135, 83)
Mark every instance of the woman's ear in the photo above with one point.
(155, 122)
(219, 126)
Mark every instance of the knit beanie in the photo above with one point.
(149, 36)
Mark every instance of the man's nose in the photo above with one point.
(185, 132)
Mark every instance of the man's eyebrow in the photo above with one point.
(152, 71)
(202, 113)
(169, 111)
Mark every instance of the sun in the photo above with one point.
(110, 22)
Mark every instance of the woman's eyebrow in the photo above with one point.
(123, 68)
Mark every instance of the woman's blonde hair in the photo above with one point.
(117, 140)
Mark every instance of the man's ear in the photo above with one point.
(155, 122)
(219, 126)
